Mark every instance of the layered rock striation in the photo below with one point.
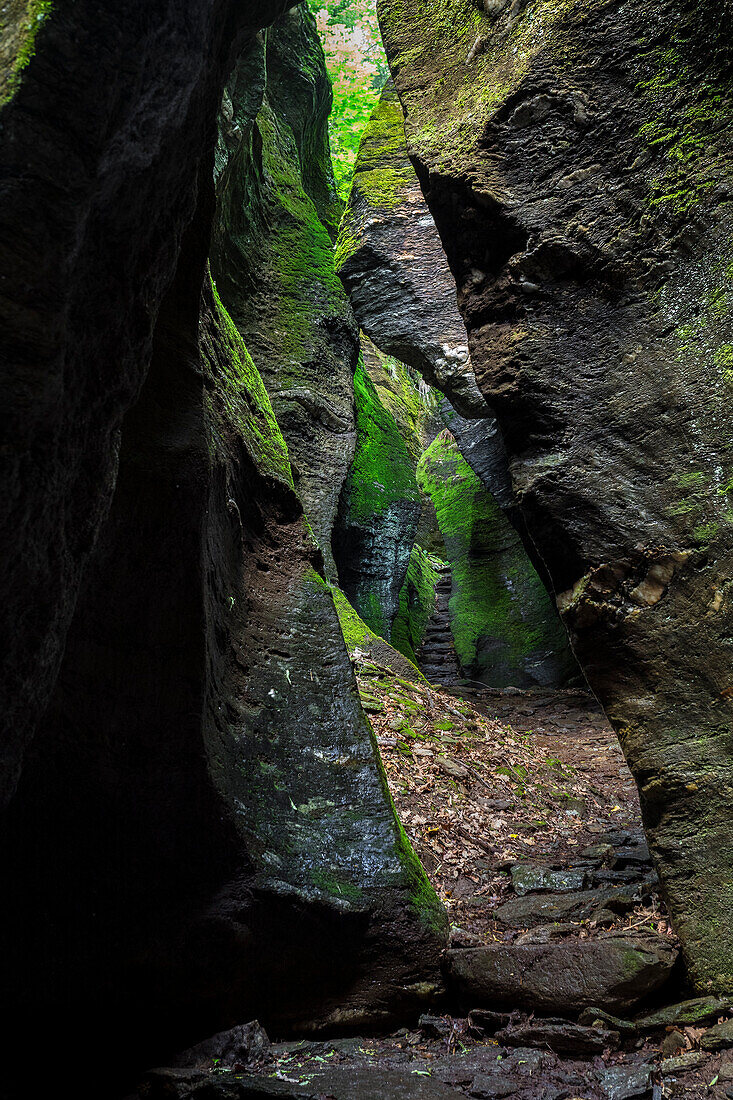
(390, 259)
(272, 255)
(576, 159)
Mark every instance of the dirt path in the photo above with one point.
(492, 787)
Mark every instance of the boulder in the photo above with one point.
(592, 261)
(625, 1082)
(238, 1046)
(560, 1036)
(614, 973)
(719, 1037)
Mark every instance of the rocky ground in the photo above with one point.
(562, 980)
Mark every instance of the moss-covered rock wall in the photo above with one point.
(379, 512)
(576, 158)
(505, 629)
(272, 255)
(390, 258)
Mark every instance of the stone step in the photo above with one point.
(613, 974)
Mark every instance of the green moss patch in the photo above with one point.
(502, 619)
(243, 392)
(417, 600)
(20, 22)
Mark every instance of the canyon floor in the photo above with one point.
(527, 821)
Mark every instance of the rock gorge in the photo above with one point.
(253, 448)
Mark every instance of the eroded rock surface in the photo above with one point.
(272, 255)
(392, 264)
(576, 159)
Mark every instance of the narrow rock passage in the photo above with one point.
(560, 970)
(437, 658)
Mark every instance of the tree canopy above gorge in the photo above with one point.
(357, 67)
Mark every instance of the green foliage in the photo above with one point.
(358, 69)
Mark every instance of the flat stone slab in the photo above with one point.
(527, 878)
(337, 1084)
(698, 1010)
(560, 1036)
(613, 974)
(718, 1037)
(534, 909)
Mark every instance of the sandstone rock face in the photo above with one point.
(98, 183)
(504, 628)
(394, 268)
(272, 255)
(577, 161)
(615, 973)
(202, 827)
(379, 510)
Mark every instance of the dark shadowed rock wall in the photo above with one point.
(577, 160)
(98, 167)
(272, 255)
(200, 830)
